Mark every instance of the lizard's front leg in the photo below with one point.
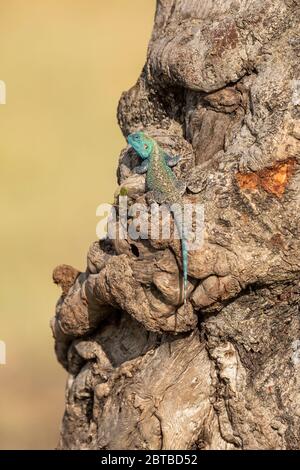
(142, 168)
(171, 161)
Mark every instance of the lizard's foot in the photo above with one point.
(155, 196)
(142, 168)
(172, 161)
(181, 186)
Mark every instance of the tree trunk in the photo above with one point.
(220, 89)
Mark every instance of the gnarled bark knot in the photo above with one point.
(221, 88)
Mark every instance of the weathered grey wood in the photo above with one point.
(221, 88)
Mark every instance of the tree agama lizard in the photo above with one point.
(165, 187)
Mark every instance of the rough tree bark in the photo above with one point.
(220, 88)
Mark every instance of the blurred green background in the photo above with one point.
(65, 64)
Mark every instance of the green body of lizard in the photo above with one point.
(166, 188)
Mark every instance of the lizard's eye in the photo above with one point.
(145, 146)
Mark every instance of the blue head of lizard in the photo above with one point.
(142, 144)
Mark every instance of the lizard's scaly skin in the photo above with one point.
(164, 184)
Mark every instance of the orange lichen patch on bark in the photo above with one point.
(247, 180)
(273, 180)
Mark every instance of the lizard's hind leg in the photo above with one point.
(155, 196)
(181, 186)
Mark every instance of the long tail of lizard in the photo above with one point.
(184, 250)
